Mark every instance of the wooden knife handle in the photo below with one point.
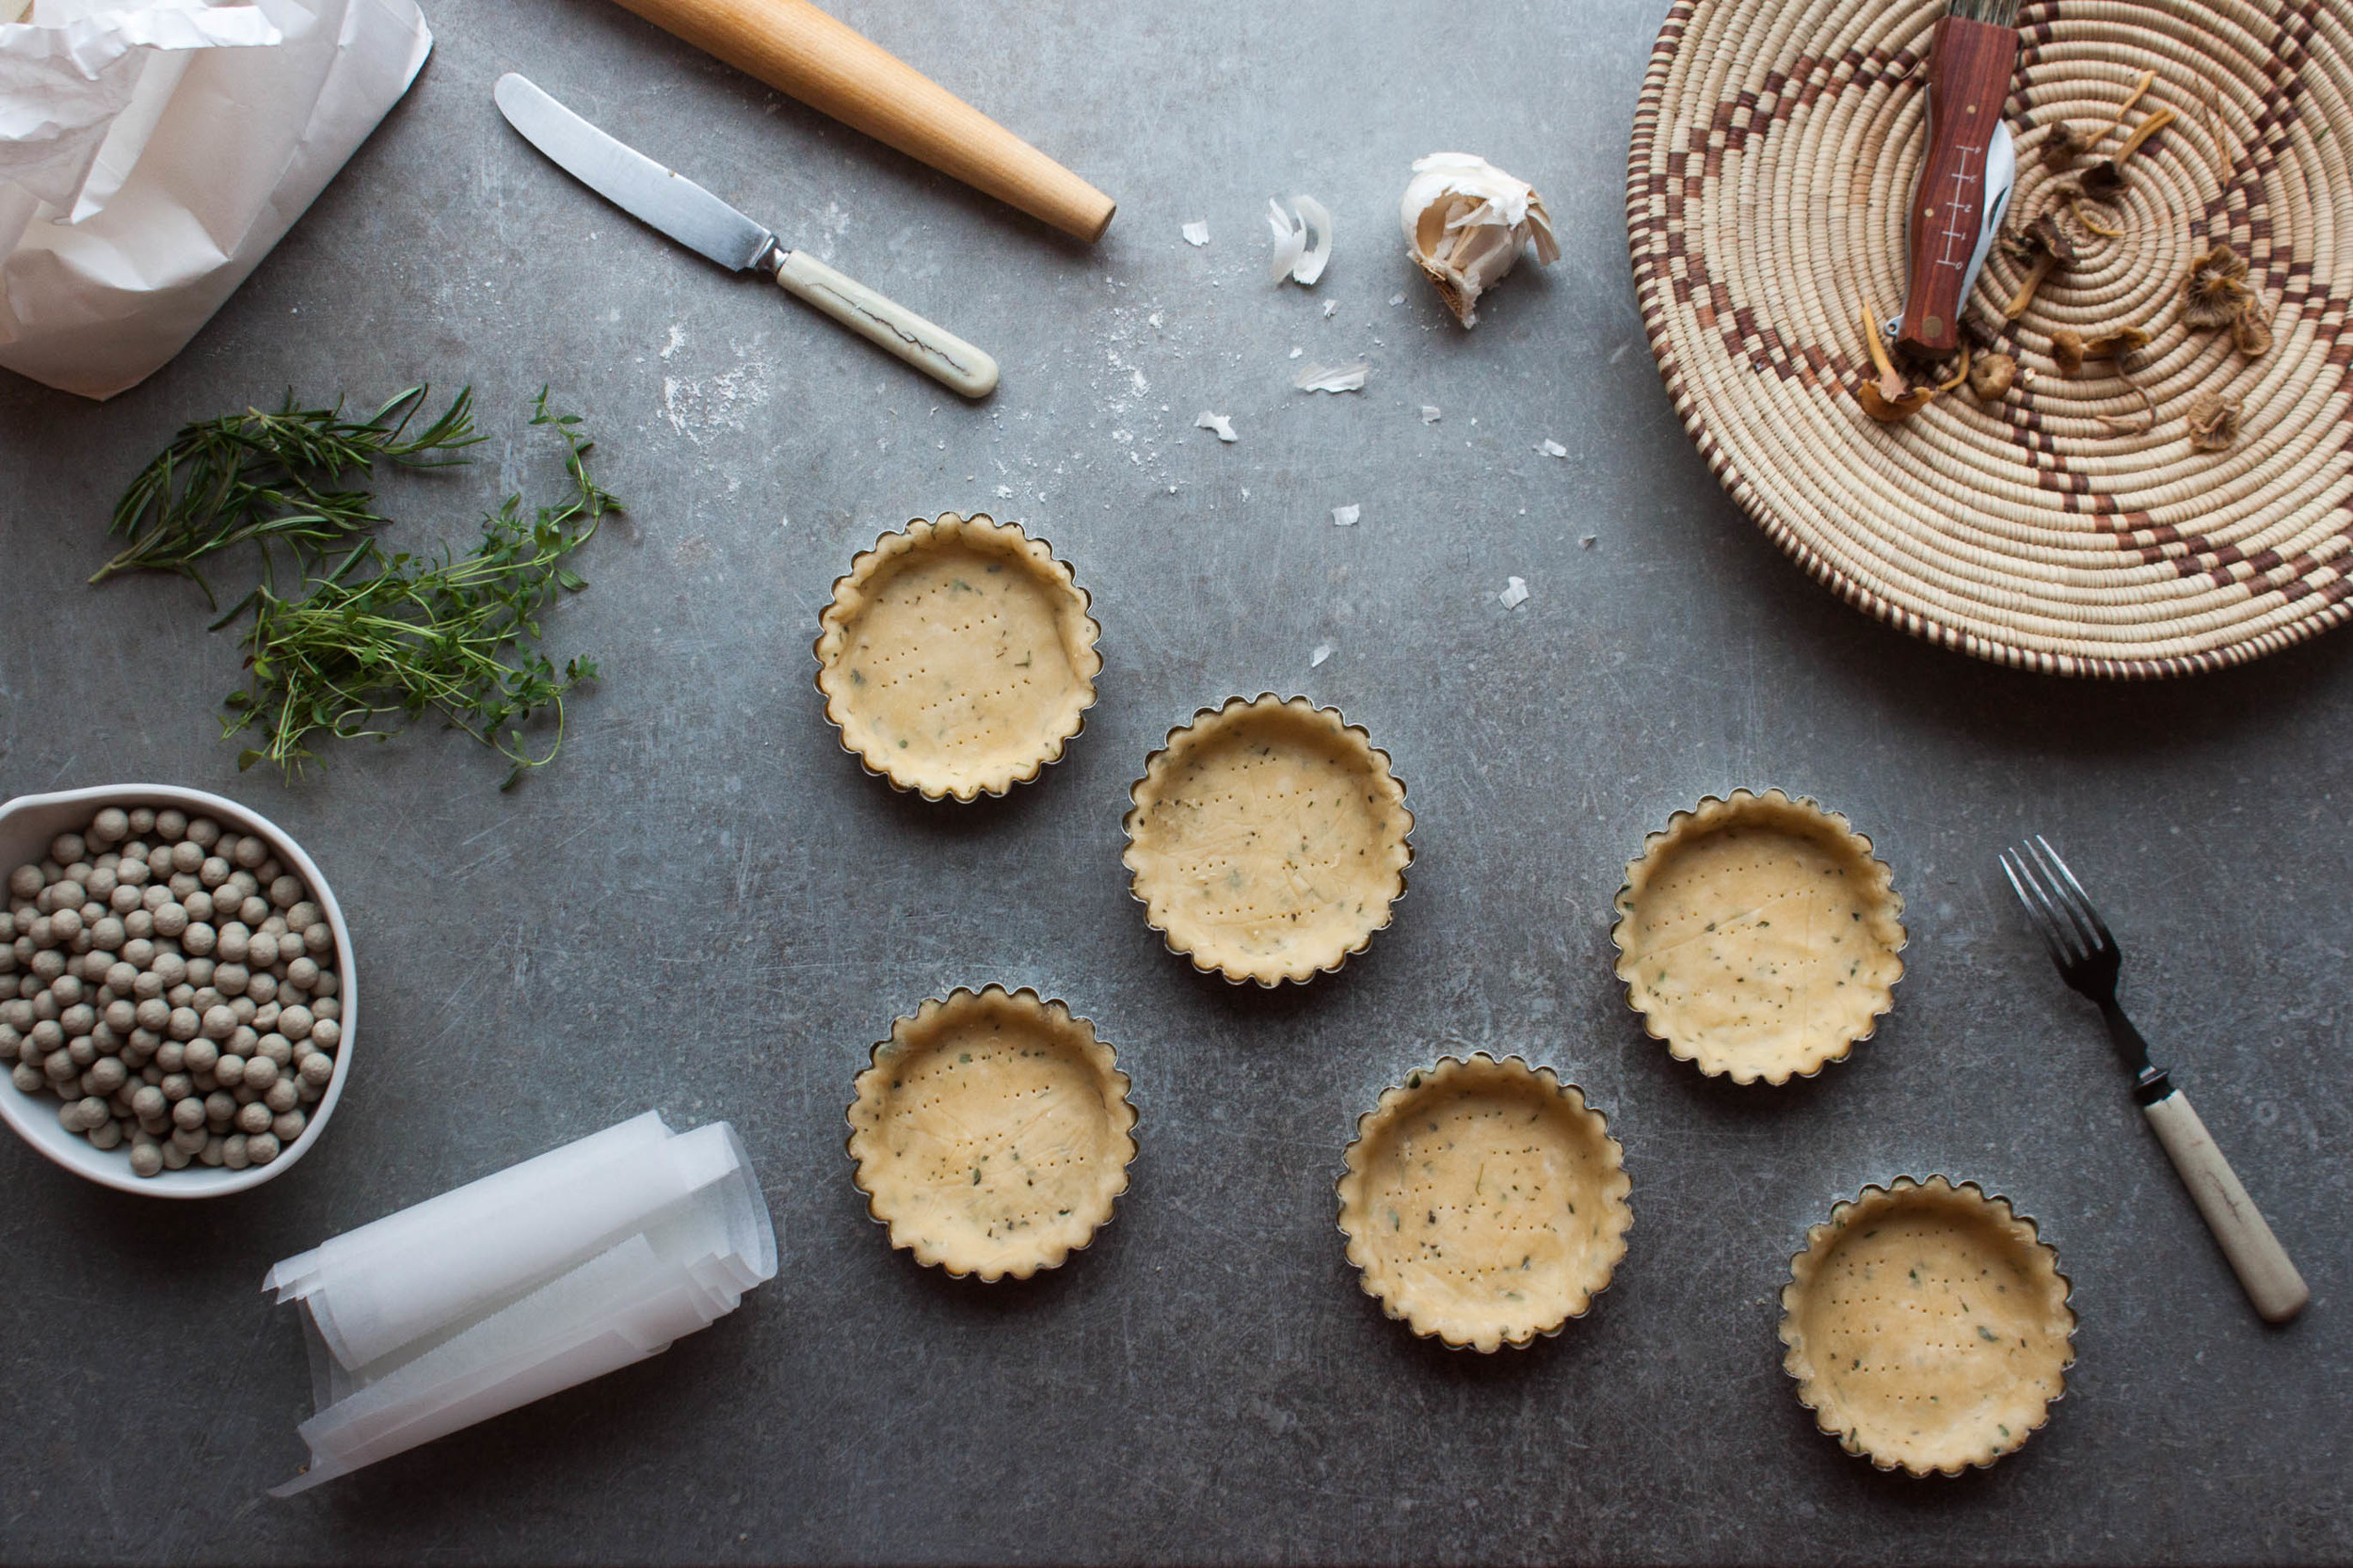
(1970, 65)
(2256, 1257)
(795, 48)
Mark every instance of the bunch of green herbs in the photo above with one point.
(392, 637)
(381, 639)
(264, 478)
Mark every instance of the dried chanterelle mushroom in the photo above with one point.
(2213, 422)
(2106, 177)
(2117, 343)
(2251, 332)
(2064, 145)
(1991, 375)
(2067, 350)
(1465, 221)
(1886, 398)
(2215, 291)
(2045, 245)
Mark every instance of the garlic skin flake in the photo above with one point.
(1465, 221)
(1302, 240)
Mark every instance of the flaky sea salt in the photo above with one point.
(1345, 517)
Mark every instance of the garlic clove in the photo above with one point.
(1465, 222)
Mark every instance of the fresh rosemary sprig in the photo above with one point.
(272, 477)
(456, 636)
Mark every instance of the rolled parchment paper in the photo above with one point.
(544, 1276)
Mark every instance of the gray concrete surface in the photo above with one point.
(705, 906)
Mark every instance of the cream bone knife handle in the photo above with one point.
(932, 349)
(2261, 1263)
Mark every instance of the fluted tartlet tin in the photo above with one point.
(28, 824)
(1161, 880)
(1874, 936)
(1961, 1367)
(1419, 1234)
(1026, 1060)
(887, 748)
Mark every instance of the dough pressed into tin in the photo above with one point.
(1485, 1202)
(1758, 937)
(992, 1132)
(1927, 1326)
(1268, 839)
(958, 657)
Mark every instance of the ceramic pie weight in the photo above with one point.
(1774, 153)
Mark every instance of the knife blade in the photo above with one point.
(667, 200)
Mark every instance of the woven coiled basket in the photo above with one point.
(1773, 154)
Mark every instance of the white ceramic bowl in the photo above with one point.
(28, 824)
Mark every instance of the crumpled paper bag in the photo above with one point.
(153, 151)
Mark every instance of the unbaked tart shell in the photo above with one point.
(1485, 1202)
(992, 1132)
(1758, 935)
(1268, 839)
(1927, 1326)
(958, 657)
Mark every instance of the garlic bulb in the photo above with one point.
(1465, 221)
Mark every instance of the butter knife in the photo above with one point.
(665, 199)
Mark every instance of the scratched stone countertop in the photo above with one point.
(705, 906)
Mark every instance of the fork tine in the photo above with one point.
(2083, 900)
(2022, 882)
(2074, 904)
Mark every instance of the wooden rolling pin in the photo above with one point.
(795, 48)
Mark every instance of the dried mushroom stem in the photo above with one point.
(2211, 97)
(2147, 128)
(2148, 414)
(2075, 211)
(2148, 78)
(2046, 245)
(1958, 376)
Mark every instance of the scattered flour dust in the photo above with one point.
(678, 341)
(700, 406)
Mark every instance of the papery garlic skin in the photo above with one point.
(1465, 221)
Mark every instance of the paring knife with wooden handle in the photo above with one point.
(1964, 185)
(698, 221)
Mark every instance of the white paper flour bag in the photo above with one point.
(153, 151)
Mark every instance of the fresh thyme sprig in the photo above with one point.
(272, 477)
(456, 636)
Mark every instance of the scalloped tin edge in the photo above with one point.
(1062, 743)
(1388, 915)
(1870, 850)
(1393, 1096)
(1127, 1097)
(1890, 1188)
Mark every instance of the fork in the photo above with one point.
(2088, 960)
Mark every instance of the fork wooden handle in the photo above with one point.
(2261, 1263)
